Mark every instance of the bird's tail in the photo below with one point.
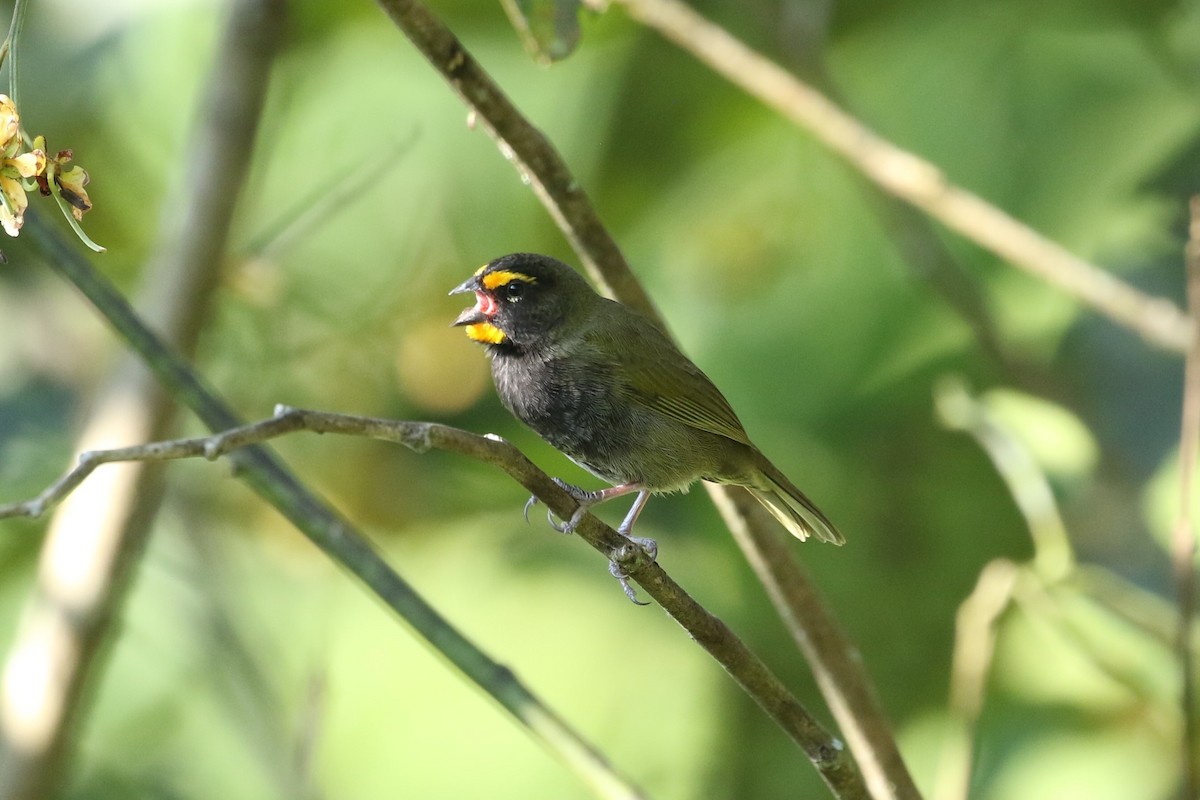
(792, 508)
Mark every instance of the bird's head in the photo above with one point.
(523, 299)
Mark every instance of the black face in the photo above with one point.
(522, 300)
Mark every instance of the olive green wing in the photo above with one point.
(655, 374)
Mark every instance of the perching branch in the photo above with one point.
(823, 750)
(913, 179)
(840, 673)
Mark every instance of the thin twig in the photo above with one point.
(913, 179)
(974, 646)
(8, 50)
(1027, 483)
(1183, 541)
(835, 661)
(842, 676)
(823, 750)
(1042, 589)
(975, 634)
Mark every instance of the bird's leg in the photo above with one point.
(586, 500)
(648, 547)
(626, 528)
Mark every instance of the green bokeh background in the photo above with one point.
(772, 266)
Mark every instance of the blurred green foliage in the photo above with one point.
(772, 266)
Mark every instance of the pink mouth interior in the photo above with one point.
(486, 304)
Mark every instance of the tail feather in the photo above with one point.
(799, 515)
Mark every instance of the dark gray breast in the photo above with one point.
(571, 406)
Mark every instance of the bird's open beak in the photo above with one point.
(470, 316)
(471, 284)
(484, 306)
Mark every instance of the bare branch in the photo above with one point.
(835, 661)
(261, 471)
(824, 751)
(913, 179)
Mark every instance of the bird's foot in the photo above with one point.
(648, 546)
(629, 558)
(583, 497)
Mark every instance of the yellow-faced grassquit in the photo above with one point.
(605, 385)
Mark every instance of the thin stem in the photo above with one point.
(9, 48)
(1027, 483)
(974, 648)
(836, 662)
(65, 208)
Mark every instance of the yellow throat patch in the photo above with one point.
(485, 332)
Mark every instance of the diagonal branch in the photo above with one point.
(913, 179)
(833, 657)
(526, 147)
(822, 749)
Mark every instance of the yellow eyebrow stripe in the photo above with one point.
(502, 277)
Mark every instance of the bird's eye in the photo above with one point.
(514, 290)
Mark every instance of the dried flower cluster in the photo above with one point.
(21, 172)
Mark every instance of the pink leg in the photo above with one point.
(634, 512)
(588, 499)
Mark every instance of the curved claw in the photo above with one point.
(568, 527)
(553, 521)
(622, 577)
(530, 503)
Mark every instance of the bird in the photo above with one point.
(605, 385)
